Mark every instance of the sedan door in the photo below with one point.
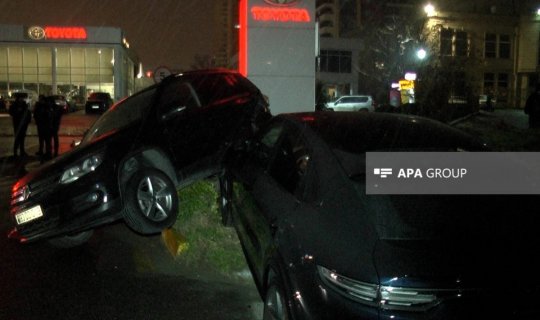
(272, 196)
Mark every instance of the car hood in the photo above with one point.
(121, 140)
(491, 242)
(466, 265)
(336, 236)
(467, 242)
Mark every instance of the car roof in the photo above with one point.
(200, 72)
(360, 132)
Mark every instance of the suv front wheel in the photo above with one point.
(151, 201)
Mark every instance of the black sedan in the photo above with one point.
(319, 247)
(135, 156)
(98, 102)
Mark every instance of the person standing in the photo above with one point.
(57, 112)
(532, 108)
(21, 117)
(43, 115)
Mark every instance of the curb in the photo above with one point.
(175, 242)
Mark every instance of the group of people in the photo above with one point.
(47, 115)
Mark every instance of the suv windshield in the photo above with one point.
(120, 115)
(99, 96)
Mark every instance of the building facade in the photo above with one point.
(71, 61)
(339, 45)
(499, 39)
(502, 36)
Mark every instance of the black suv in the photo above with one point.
(98, 102)
(135, 156)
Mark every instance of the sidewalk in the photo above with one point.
(72, 128)
(73, 124)
(17, 167)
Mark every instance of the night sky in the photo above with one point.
(162, 32)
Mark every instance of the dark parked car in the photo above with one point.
(98, 102)
(319, 247)
(131, 161)
(62, 103)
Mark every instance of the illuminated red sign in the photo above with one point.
(57, 33)
(65, 33)
(280, 14)
(243, 38)
(282, 2)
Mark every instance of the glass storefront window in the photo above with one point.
(79, 70)
(30, 63)
(63, 65)
(45, 64)
(15, 65)
(78, 66)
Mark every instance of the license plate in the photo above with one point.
(95, 107)
(29, 215)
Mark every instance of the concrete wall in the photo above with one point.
(281, 53)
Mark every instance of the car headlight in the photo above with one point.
(385, 297)
(86, 166)
(19, 194)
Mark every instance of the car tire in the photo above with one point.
(71, 240)
(275, 304)
(151, 201)
(225, 198)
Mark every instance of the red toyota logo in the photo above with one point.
(282, 2)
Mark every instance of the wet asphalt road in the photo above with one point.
(117, 275)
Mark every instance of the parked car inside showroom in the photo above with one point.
(134, 157)
(319, 247)
(352, 103)
(62, 103)
(98, 102)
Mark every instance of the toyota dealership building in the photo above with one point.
(69, 60)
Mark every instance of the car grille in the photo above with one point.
(43, 187)
(38, 190)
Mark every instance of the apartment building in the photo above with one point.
(503, 36)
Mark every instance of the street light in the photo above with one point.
(429, 9)
(421, 54)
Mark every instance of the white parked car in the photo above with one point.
(352, 103)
